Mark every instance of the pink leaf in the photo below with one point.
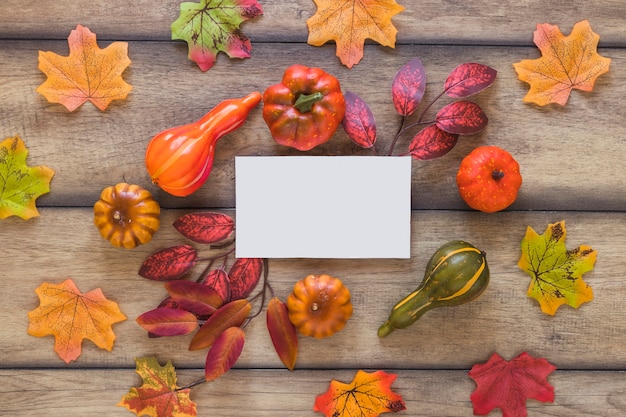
(468, 79)
(432, 142)
(194, 297)
(165, 321)
(205, 227)
(224, 353)
(462, 117)
(244, 276)
(358, 121)
(408, 86)
(169, 263)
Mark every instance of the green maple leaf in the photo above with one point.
(159, 396)
(20, 185)
(556, 271)
(212, 26)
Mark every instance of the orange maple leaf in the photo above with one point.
(566, 63)
(349, 23)
(368, 395)
(71, 316)
(88, 73)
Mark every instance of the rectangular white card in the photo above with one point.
(323, 206)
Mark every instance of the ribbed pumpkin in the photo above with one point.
(126, 215)
(456, 273)
(319, 306)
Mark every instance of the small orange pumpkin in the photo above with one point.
(126, 215)
(319, 305)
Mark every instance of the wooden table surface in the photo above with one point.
(571, 157)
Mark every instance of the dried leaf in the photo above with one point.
(368, 395)
(282, 332)
(432, 142)
(194, 297)
(566, 63)
(462, 118)
(244, 275)
(205, 227)
(224, 353)
(88, 73)
(232, 314)
(212, 26)
(556, 272)
(218, 281)
(468, 79)
(167, 321)
(71, 316)
(159, 396)
(408, 86)
(350, 23)
(169, 263)
(358, 121)
(507, 384)
(20, 185)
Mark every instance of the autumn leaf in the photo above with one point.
(244, 275)
(358, 122)
(20, 185)
(168, 321)
(350, 23)
(432, 142)
(368, 395)
(507, 384)
(88, 73)
(159, 396)
(212, 26)
(169, 263)
(556, 272)
(232, 314)
(282, 332)
(408, 87)
(205, 227)
(71, 316)
(566, 63)
(224, 353)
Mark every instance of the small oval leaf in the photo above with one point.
(165, 321)
(194, 297)
(224, 353)
(432, 142)
(205, 227)
(408, 86)
(282, 332)
(244, 276)
(468, 79)
(169, 263)
(232, 314)
(218, 281)
(358, 121)
(461, 117)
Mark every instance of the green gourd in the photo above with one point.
(456, 274)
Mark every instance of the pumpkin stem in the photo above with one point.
(304, 102)
(497, 174)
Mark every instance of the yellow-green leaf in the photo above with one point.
(556, 272)
(20, 185)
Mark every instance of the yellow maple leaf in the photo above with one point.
(71, 316)
(88, 73)
(349, 23)
(566, 63)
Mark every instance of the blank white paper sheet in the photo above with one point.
(323, 206)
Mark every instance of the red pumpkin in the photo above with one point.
(488, 179)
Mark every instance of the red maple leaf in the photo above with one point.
(507, 384)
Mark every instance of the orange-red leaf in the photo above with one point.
(461, 118)
(566, 63)
(218, 281)
(167, 321)
(232, 314)
(244, 275)
(368, 395)
(282, 332)
(159, 396)
(88, 73)
(194, 297)
(432, 142)
(350, 23)
(507, 384)
(169, 263)
(71, 316)
(224, 353)
(205, 227)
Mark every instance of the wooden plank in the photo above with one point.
(430, 21)
(63, 243)
(570, 157)
(279, 393)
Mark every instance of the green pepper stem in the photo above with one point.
(304, 102)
